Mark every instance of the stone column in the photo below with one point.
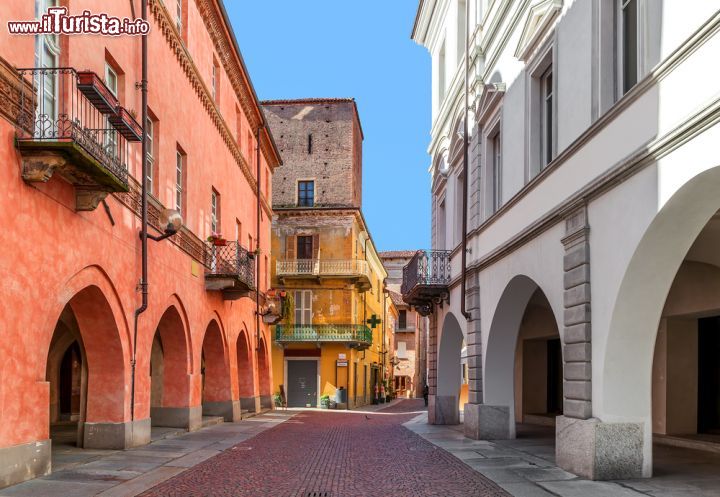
(482, 421)
(432, 367)
(584, 445)
(577, 353)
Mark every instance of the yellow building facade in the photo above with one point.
(331, 347)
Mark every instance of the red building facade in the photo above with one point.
(70, 218)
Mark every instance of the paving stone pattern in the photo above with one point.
(333, 454)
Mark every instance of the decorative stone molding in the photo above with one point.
(577, 353)
(537, 26)
(87, 199)
(12, 89)
(39, 167)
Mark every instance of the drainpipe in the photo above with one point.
(144, 214)
(384, 327)
(257, 235)
(463, 255)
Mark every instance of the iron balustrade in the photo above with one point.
(230, 260)
(426, 268)
(318, 267)
(57, 112)
(355, 333)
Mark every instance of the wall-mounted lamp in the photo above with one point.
(172, 221)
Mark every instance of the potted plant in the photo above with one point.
(325, 402)
(277, 399)
(217, 240)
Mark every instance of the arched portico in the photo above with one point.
(626, 367)
(515, 318)
(216, 386)
(263, 364)
(444, 408)
(170, 374)
(246, 389)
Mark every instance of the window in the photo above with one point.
(440, 226)
(179, 16)
(179, 181)
(402, 350)
(47, 51)
(441, 74)
(238, 230)
(305, 247)
(303, 307)
(111, 79)
(150, 144)
(214, 211)
(110, 138)
(310, 143)
(306, 193)
(546, 117)
(629, 43)
(214, 79)
(496, 159)
(250, 245)
(458, 217)
(461, 29)
(402, 319)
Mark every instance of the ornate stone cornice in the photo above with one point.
(12, 89)
(209, 13)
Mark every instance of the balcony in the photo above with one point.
(356, 336)
(425, 280)
(229, 268)
(354, 269)
(70, 123)
(405, 329)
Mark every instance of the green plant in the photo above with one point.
(277, 399)
(325, 401)
(288, 309)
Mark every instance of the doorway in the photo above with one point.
(709, 375)
(302, 383)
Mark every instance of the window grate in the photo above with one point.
(315, 493)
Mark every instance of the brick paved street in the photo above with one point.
(333, 454)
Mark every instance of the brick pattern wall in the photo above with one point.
(577, 353)
(318, 141)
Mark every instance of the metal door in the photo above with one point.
(302, 383)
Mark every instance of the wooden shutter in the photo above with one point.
(315, 246)
(290, 247)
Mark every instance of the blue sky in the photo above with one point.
(360, 49)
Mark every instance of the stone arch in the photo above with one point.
(500, 353)
(263, 365)
(246, 388)
(640, 300)
(449, 372)
(216, 385)
(170, 372)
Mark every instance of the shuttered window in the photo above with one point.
(303, 307)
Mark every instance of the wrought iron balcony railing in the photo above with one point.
(230, 268)
(410, 328)
(426, 278)
(72, 124)
(357, 335)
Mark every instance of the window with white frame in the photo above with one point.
(461, 29)
(402, 350)
(179, 180)
(150, 144)
(440, 226)
(546, 117)
(179, 15)
(47, 52)
(628, 43)
(214, 80)
(110, 138)
(214, 211)
(303, 307)
(496, 170)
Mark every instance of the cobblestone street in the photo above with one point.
(333, 454)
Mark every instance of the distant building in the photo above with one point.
(338, 333)
(410, 344)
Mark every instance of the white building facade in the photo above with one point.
(593, 269)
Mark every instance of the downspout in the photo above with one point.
(144, 214)
(384, 327)
(463, 255)
(257, 236)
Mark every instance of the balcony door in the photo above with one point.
(303, 307)
(302, 382)
(47, 53)
(308, 253)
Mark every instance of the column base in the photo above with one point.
(599, 451)
(189, 418)
(443, 410)
(248, 404)
(229, 409)
(485, 422)
(116, 435)
(24, 462)
(266, 402)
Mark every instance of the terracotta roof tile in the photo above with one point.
(397, 299)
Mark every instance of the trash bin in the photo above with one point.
(341, 395)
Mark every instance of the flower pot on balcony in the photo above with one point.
(126, 124)
(95, 90)
(219, 242)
